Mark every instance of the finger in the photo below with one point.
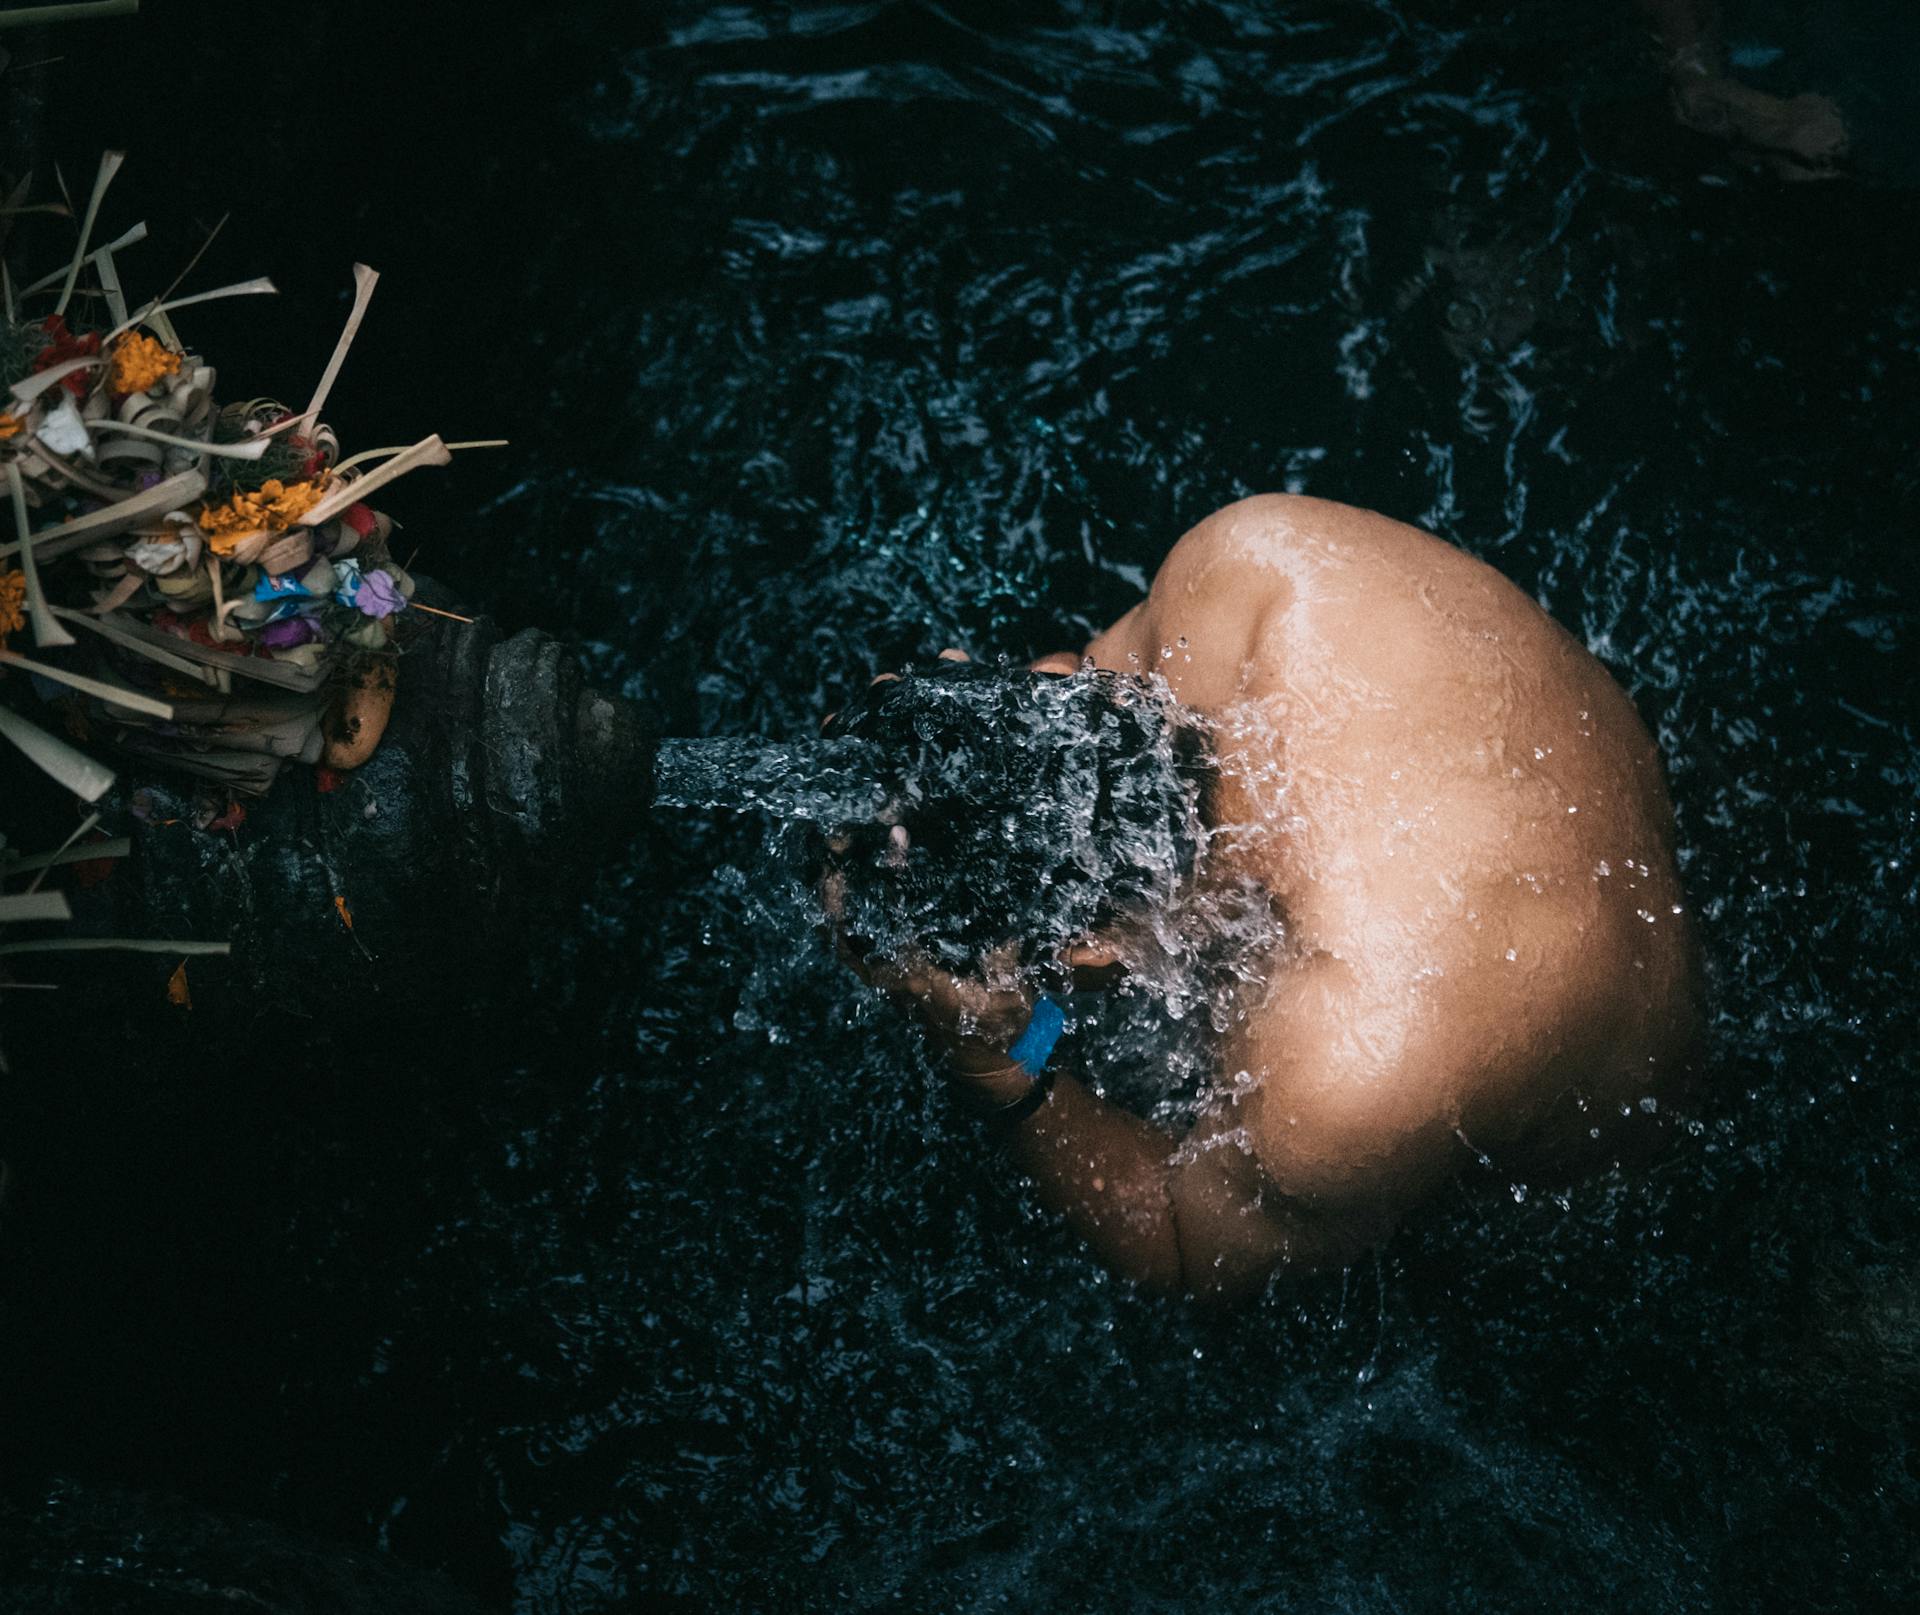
(884, 678)
(951, 654)
(1059, 662)
(833, 891)
(897, 843)
(826, 723)
(999, 965)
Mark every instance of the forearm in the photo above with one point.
(1194, 1214)
(1173, 1215)
(1104, 1170)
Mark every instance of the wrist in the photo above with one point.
(1013, 1083)
(985, 1092)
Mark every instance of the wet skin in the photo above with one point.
(1483, 955)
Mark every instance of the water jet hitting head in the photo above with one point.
(1014, 806)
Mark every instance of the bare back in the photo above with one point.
(1462, 821)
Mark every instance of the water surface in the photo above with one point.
(830, 335)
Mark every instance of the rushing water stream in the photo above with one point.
(828, 335)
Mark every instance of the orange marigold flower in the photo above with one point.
(275, 506)
(11, 425)
(137, 363)
(13, 609)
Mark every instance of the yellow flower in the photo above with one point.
(138, 362)
(13, 611)
(11, 425)
(276, 506)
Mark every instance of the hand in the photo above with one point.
(972, 1020)
(1798, 137)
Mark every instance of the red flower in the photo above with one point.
(63, 345)
(196, 629)
(91, 871)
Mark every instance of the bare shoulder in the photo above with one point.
(1472, 846)
(1238, 581)
(1266, 528)
(1208, 621)
(1373, 1076)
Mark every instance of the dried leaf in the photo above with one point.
(20, 907)
(110, 162)
(56, 540)
(364, 280)
(121, 944)
(115, 695)
(46, 631)
(74, 769)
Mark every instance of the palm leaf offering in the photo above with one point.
(197, 578)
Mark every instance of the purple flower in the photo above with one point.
(378, 595)
(289, 631)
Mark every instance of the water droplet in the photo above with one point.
(1511, 956)
(1519, 1192)
(1181, 642)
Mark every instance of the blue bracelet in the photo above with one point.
(1035, 1045)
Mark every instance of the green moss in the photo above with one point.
(284, 461)
(18, 346)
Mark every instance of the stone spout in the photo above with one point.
(502, 778)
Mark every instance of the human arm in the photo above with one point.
(1798, 137)
(1201, 1214)
(1194, 1215)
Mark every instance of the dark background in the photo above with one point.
(830, 334)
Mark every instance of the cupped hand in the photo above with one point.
(973, 1019)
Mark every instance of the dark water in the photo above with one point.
(833, 334)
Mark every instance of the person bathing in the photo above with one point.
(1459, 823)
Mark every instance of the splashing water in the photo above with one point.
(826, 782)
(960, 314)
(1029, 808)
